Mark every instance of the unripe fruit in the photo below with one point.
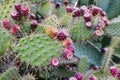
(53, 32)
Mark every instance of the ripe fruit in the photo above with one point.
(89, 25)
(95, 10)
(15, 15)
(62, 36)
(72, 78)
(97, 27)
(83, 9)
(66, 2)
(95, 67)
(6, 24)
(32, 16)
(55, 62)
(79, 76)
(113, 71)
(53, 32)
(93, 77)
(87, 17)
(34, 24)
(69, 9)
(102, 13)
(17, 7)
(67, 42)
(15, 29)
(76, 13)
(71, 49)
(67, 54)
(118, 75)
(104, 50)
(57, 5)
(24, 10)
(97, 33)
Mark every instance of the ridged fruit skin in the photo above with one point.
(79, 76)
(6, 24)
(15, 29)
(114, 71)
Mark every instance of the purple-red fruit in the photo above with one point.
(66, 2)
(62, 36)
(95, 67)
(93, 77)
(95, 10)
(113, 71)
(34, 24)
(55, 62)
(32, 16)
(69, 9)
(67, 54)
(72, 78)
(57, 5)
(24, 10)
(71, 49)
(15, 29)
(76, 13)
(89, 25)
(118, 75)
(6, 24)
(87, 17)
(102, 13)
(83, 9)
(97, 27)
(15, 15)
(79, 76)
(17, 7)
(104, 50)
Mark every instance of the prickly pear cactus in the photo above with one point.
(79, 32)
(38, 50)
(28, 77)
(52, 21)
(5, 40)
(10, 74)
(7, 6)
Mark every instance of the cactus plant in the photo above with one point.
(5, 40)
(38, 50)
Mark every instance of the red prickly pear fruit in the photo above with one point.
(15, 15)
(89, 25)
(67, 42)
(55, 62)
(87, 17)
(104, 50)
(34, 24)
(66, 2)
(79, 76)
(72, 78)
(113, 71)
(6, 24)
(93, 77)
(62, 35)
(17, 7)
(69, 9)
(57, 5)
(32, 16)
(95, 67)
(15, 29)
(67, 54)
(102, 13)
(24, 10)
(95, 10)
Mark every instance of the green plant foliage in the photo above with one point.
(79, 32)
(51, 21)
(46, 8)
(83, 65)
(10, 74)
(114, 29)
(38, 50)
(5, 40)
(28, 77)
(7, 6)
(87, 49)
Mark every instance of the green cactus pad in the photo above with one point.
(10, 74)
(5, 40)
(7, 6)
(79, 32)
(87, 49)
(46, 8)
(52, 21)
(28, 77)
(38, 50)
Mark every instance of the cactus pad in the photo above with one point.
(52, 21)
(5, 40)
(7, 6)
(79, 32)
(10, 74)
(38, 50)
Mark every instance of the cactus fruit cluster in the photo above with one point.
(55, 40)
